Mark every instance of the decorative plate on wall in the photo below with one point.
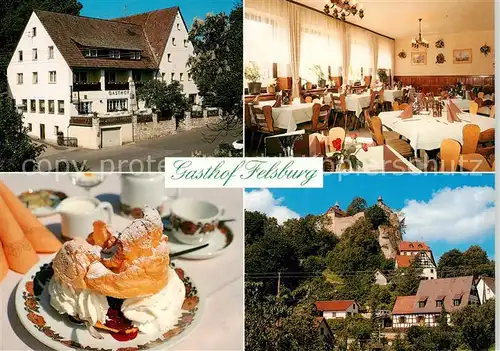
(440, 44)
(440, 58)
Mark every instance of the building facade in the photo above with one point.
(420, 253)
(486, 288)
(68, 67)
(424, 308)
(337, 309)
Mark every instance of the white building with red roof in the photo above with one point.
(415, 251)
(337, 309)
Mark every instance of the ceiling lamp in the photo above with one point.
(340, 9)
(419, 42)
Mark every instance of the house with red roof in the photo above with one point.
(337, 309)
(425, 307)
(415, 251)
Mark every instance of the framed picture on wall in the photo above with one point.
(462, 56)
(419, 58)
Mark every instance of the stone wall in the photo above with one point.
(152, 130)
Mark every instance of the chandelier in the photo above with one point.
(416, 43)
(340, 9)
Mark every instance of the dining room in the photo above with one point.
(371, 85)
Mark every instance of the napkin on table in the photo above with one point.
(4, 265)
(407, 112)
(42, 240)
(449, 114)
(19, 252)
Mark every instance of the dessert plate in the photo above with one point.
(42, 202)
(218, 243)
(55, 331)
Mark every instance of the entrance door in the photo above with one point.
(42, 131)
(110, 137)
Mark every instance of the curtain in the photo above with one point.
(360, 57)
(374, 51)
(266, 36)
(294, 49)
(346, 59)
(386, 55)
(320, 44)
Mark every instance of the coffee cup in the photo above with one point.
(79, 214)
(194, 221)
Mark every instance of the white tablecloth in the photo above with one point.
(427, 132)
(390, 95)
(462, 104)
(373, 159)
(221, 279)
(357, 103)
(287, 117)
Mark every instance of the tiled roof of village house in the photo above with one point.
(445, 289)
(413, 246)
(404, 304)
(335, 305)
(404, 260)
(157, 26)
(68, 32)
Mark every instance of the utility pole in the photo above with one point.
(279, 283)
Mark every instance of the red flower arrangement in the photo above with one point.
(345, 155)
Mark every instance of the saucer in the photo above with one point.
(218, 243)
(43, 202)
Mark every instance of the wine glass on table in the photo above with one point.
(87, 180)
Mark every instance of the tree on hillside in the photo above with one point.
(476, 325)
(14, 15)
(257, 225)
(357, 250)
(473, 261)
(168, 99)
(216, 66)
(358, 204)
(376, 216)
(17, 151)
(407, 280)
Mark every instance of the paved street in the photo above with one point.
(143, 156)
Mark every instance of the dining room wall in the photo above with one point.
(481, 65)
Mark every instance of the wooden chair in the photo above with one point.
(480, 95)
(335, 133)
(473, 107)
(486, 143)
(388, 134)
(450, 153)
(319, 119)
(474, 163)
(401, 146)
(403, 106)
(264, 119)
(340, 108)
(250, 124)
(492, 111)
(470, 133)
(395, 106)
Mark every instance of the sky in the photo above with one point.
(190, 9)
(445, 211)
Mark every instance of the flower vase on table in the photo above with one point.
(343, 158)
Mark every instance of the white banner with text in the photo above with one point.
(248, 172)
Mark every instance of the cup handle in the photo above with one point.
(170, 198)
(106, 206)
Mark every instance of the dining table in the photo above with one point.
(392, 94)
(426, 132)
(287, 117)
(219, 279)
(356, 102)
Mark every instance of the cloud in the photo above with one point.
(452, 215)
(263, 201)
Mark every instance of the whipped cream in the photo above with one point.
(83, 304)
(158, 312)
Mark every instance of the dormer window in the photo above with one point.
(439, 301)
(457, 299)
(422, 301)
(114, 54)
(173, 41)
(136, 55)
(90, 53)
